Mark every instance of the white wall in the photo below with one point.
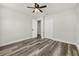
(77, 24)
(14, 26)
(61, 26)
(48, 26)
(64, 26)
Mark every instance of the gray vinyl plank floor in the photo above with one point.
(39, 47)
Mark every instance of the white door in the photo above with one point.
(34, 28)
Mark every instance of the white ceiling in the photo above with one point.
(51, 7)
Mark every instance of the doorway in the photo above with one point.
(39, 29)
(36, 28)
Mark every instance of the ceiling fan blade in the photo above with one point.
(43, 6)
(33, 11)
(30, 7)
(36, 5)
(40, 10)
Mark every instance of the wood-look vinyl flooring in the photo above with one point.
(39, 47)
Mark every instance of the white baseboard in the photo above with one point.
(15, 41)
(62, 41)
(66, 42)
(77, 46)
(35, 37)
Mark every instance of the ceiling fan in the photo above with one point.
(37, 7)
